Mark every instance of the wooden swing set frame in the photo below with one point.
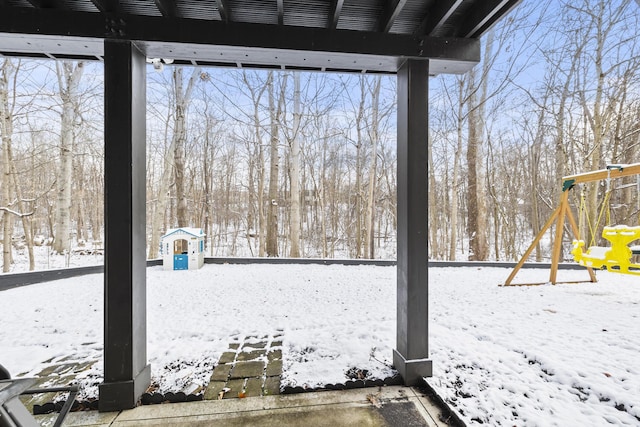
(563, 213)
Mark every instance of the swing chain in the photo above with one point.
(584, 215)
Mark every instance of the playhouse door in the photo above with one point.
(180, 255)
(180, 262)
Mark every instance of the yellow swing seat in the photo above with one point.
(616, 258)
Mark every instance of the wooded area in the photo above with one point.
(296, 164)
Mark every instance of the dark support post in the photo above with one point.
(410, 357)
(126, 372)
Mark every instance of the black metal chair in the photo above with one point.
(12, 411)
(4, 373)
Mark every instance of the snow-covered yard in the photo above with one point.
(546, 355)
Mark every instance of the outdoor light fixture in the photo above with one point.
(158, 63)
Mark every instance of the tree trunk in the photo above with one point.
(6, 122)
(182, 97)
(9, 72)
(256, 166)
(434, 206)
(477, 198)
(6, 241)
(294, 173)
(476, 195)
(275, 112)
(272, 199)
(534, 170)
(358, 190)
(207, 159)
(79, 199)
(25, 216)
(262, 216)
(173, 162)
(534, 157)
(160, 211)
(373, 167)
(69, 75)
(456, 174)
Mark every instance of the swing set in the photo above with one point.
(615, 258)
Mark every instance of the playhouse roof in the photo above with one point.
(196, 232)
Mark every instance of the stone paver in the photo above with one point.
(235, 386)
(56, 375)
(274, 368)
(221, 372)
(274, 355)
(250, 355)
(271, 386)
(248, 369)
(227, 357)
(252, 366)
(213, 390)
(253, 387)
(261, 344)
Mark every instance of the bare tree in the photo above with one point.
(211, 140)
(455, 181)
(374, 137)
(602, 20)
(359, 143)
(275, 114)
(69, 75)
(7, 75)
(174, 158)
(159, 213)
(476, 190)
(182, 98)
(294, 171)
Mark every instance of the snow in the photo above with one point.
(547, 355)
(45, 259)
(197, 232)
(543, 355)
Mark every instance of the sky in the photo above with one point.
(551, 355)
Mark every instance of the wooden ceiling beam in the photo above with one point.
(280, 4)
(391, 11)
(168, 8)
(31, 30)
(436, 17)
(225, 10)
(334, 14)
(107, 6)
(483, 16)
(46, 4)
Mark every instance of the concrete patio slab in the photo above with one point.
(376, 407)
(77, 419)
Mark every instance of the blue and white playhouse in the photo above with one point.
(183, 249)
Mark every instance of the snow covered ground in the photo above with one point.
(565, 355)
(44, 259)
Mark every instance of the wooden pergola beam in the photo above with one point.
(612, 172)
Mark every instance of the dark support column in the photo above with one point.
(410, 357)
(126, 372)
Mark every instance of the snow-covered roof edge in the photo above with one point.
(196, 232)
